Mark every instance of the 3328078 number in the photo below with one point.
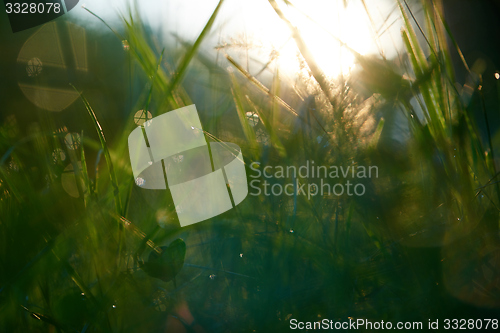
(32, 8)
(471, 324)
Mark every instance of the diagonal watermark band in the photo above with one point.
(204, 180)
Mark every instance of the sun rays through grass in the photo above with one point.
(108, 256)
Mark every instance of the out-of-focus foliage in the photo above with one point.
(421, 243)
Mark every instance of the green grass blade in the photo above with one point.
(455, 44)
(104, 145)
(150, 94)
(415, 45)
(84, 173)
(247, 129)
(182, 68)
(259, 85)
(269, 127)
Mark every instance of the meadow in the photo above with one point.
(84, 249)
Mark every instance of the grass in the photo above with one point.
(420, 244)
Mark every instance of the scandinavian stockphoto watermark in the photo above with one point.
(171, 151)
(310, 179)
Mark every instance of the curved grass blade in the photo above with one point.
(46, 319)
(247, 129)
(104, 145)
(184, 63)
(259, 85)
(85, 175)
(150, 95)
(412, 37)
(455, 44)
(270, 129)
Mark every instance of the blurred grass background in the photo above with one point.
(85, 250)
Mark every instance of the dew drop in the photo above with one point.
(126, 45)
(178, 158)
(141, 117)
(140, 181)
(58, 155)
(72, 141)
(252, 118)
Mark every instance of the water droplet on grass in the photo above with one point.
(72, 141)
(58, 155)
(140, 181)
(141, 117)
(126, 45)
(253, 118)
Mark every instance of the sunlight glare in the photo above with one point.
(322, 23)
(256, 22)
(350, 24)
